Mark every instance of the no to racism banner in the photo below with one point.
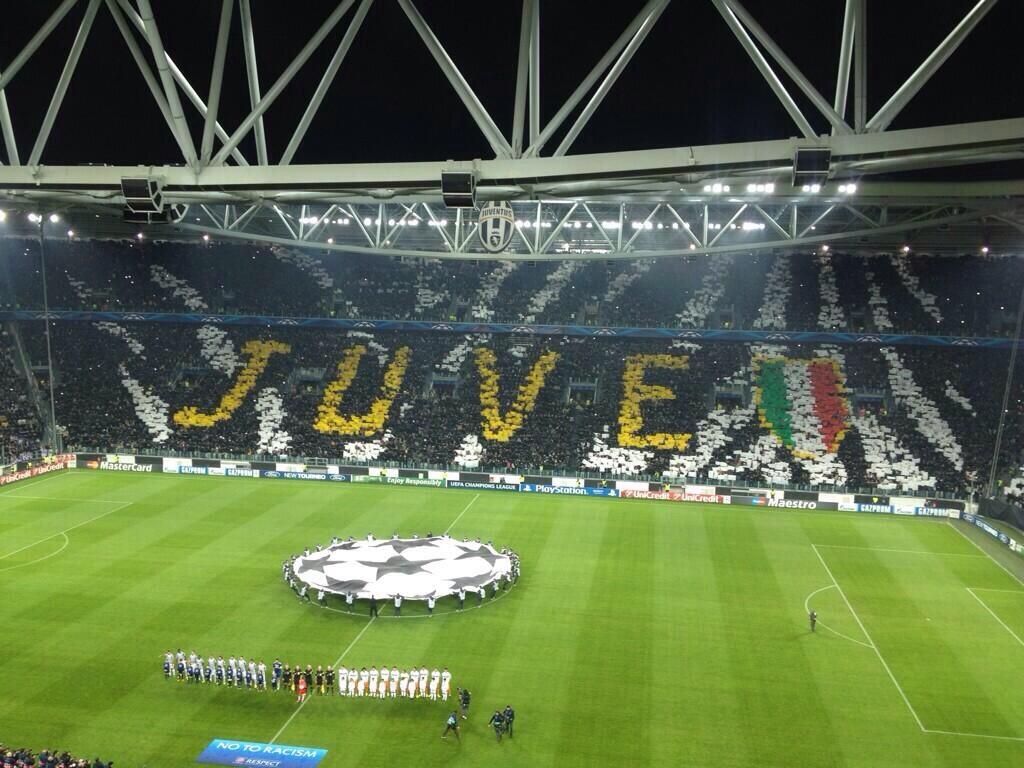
(254, 754)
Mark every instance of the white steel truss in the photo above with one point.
(531, 162)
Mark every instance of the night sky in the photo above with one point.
(690, 82)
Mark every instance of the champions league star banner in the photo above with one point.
(255, 754)
(413, 568)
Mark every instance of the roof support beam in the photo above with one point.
(765, 69)
(832, 115)
(929, 66)
(147, 72)
(726, 227)
(183, 82)
(860, 63)
(817, 221)
(845, 59)
(685, 225)
(610, 78)
(472, 103)
(8, 131)
(588, 82)
(252, 76)
(535, 74)
(558, 228)
(770, 220)
(522, 76)
(37, 39)
(216, 79)
(170, 90)
(282, 82)
(325, 82)
(65, 79)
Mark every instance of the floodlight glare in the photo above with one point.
(905, 249)
(71, 233)
(330, 241)
(3, 215)
(138, 235)
(984, 249)
(206, 238)
(35, 218)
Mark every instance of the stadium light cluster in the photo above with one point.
(847, 189)
(812, 189)
(717, 188)
(768, 188)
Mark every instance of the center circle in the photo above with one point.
(414, 569)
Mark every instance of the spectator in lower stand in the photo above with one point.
(20, 757)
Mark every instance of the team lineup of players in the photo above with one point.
(376, 683)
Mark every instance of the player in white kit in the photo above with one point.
(403, 684)
(353, 676)
(364, 680)
(435, 682)
(414, 681)
(446, 684)
(424, 681)
(394, 682)
(385, 677)
(343, 681)
(374, 679)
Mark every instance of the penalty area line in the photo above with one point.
(995, 616)
(66, 530)
(977, 546)
(807, 610)
(874, 647)
(308, 697)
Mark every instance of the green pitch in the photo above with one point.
(641, 633)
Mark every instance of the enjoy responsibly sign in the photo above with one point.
(254, 754)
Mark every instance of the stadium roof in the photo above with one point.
(930, 159)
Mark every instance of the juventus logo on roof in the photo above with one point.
(497, 225)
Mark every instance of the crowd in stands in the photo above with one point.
(861, 409)
(853, 415)
(20, 757)
(970, 296)
(19, 417)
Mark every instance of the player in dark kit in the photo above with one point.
(451, 724)
(287, 676)
(510, 716)
(320, 679)
(278, 670)
(464, 701)
(813, 617)
(330, 681)
(497, 721)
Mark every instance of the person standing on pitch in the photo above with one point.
(349, 600)
(430, 605)
(373, 606)
(464, 697)
(462, 598)
(510, 717)
(301, 688)
(452, 724)
(813, 618)
(498, 723)
(398, 605)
